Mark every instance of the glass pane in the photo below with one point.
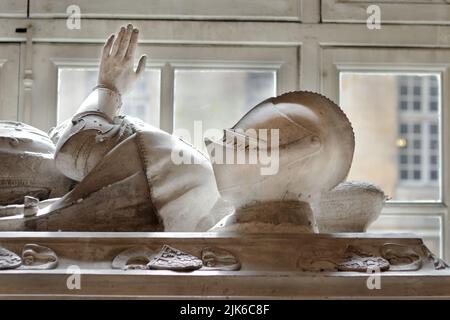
(217, 99)
(75, 84)
(396, 119)
(429, 231)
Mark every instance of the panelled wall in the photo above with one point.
(212, 60)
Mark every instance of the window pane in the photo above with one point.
(433, 129)
(403, 90)
(433, 175)
(388, 135)
(217, 98)
(433, 106)
(434, 144)
(75, 84)
(433, 160)
(403, 128)
(404, 174)
(434, 91)
(404, 159)
(404, 105)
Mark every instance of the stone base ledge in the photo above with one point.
(273, 266)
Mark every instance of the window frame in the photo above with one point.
(263, 10)
(337, 59)
(93, 65)
(341, 59)
(14, 8)
(165, 58)
(415, 117)
(9, 75)
(392, 11)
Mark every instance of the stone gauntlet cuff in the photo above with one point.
(102, 100)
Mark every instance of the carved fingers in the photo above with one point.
(129, 54)
(115, 47)
(131, 50)
(125, 42)
(141, 66)
(116, 67)
(125, 45)
(107, 47)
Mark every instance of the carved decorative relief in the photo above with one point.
(438, 263)
(143, 258)
(313, 258)
(36, 257)
(136, 258)
(401, 257)
(359, 259)
(219, 259)
(9, 260)
(319, 259)
(388, 256)
(363, 264)
(169, 258)
(173, 259)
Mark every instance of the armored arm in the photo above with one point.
(96, 127)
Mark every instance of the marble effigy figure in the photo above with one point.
(102, 170)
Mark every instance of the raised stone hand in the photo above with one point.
(117, 61)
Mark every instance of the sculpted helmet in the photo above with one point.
(313, 149)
